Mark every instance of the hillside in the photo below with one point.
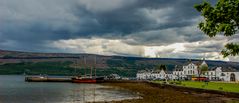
(14, 62)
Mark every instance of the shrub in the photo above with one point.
(179, 83)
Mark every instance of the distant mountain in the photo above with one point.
(65, 63)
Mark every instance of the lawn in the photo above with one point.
(228, 87)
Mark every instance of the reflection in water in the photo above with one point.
(13, 89)
(100, 93)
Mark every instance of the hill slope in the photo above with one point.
(14, 62)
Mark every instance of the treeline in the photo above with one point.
(36, 57)
(30, 68)
(133, 65)
(59, 68)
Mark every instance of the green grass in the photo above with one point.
(228, 87)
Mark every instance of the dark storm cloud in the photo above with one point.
(132, 18)
(30, 24)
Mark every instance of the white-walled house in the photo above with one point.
(142, 75)
(222, 74)
(214, 73)
(153, 75)
(230, 76)
(186, 71)
(158, 74)
(189, 70)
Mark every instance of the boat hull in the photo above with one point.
(84, 80)
(87, 80)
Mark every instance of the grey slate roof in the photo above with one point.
(169, 72)
(178, 68)
(212, 68)
(229, 69)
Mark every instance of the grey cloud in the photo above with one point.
(205, 47)
(158, 37)
(31, 24)
(71, 17)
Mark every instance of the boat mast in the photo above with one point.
(85, 66)
(75, 66)
(95, 66)
(91, 72)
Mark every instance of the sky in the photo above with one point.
(144, 28)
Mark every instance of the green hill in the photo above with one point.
(12, 62)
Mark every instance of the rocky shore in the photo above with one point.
(157, 94)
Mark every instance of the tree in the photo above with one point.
(161, 67)
(202, 69)
(223, 18)
(164, 68)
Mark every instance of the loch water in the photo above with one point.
(13, 89)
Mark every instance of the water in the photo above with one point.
(13, 89)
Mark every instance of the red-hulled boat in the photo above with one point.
(87, 80)
(83, 80)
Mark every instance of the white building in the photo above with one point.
(222, 74)
(186, 71)
(142, 75)
(189, 70)
(153, 75)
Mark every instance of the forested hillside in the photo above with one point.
(12, 62)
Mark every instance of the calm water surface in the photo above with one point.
(13, 89)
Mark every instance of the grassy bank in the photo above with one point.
(228, 87)
(153, 94)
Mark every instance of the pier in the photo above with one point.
(47, 79)
(69, 79)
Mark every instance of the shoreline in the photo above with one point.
(152, 93)
(196, 90)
